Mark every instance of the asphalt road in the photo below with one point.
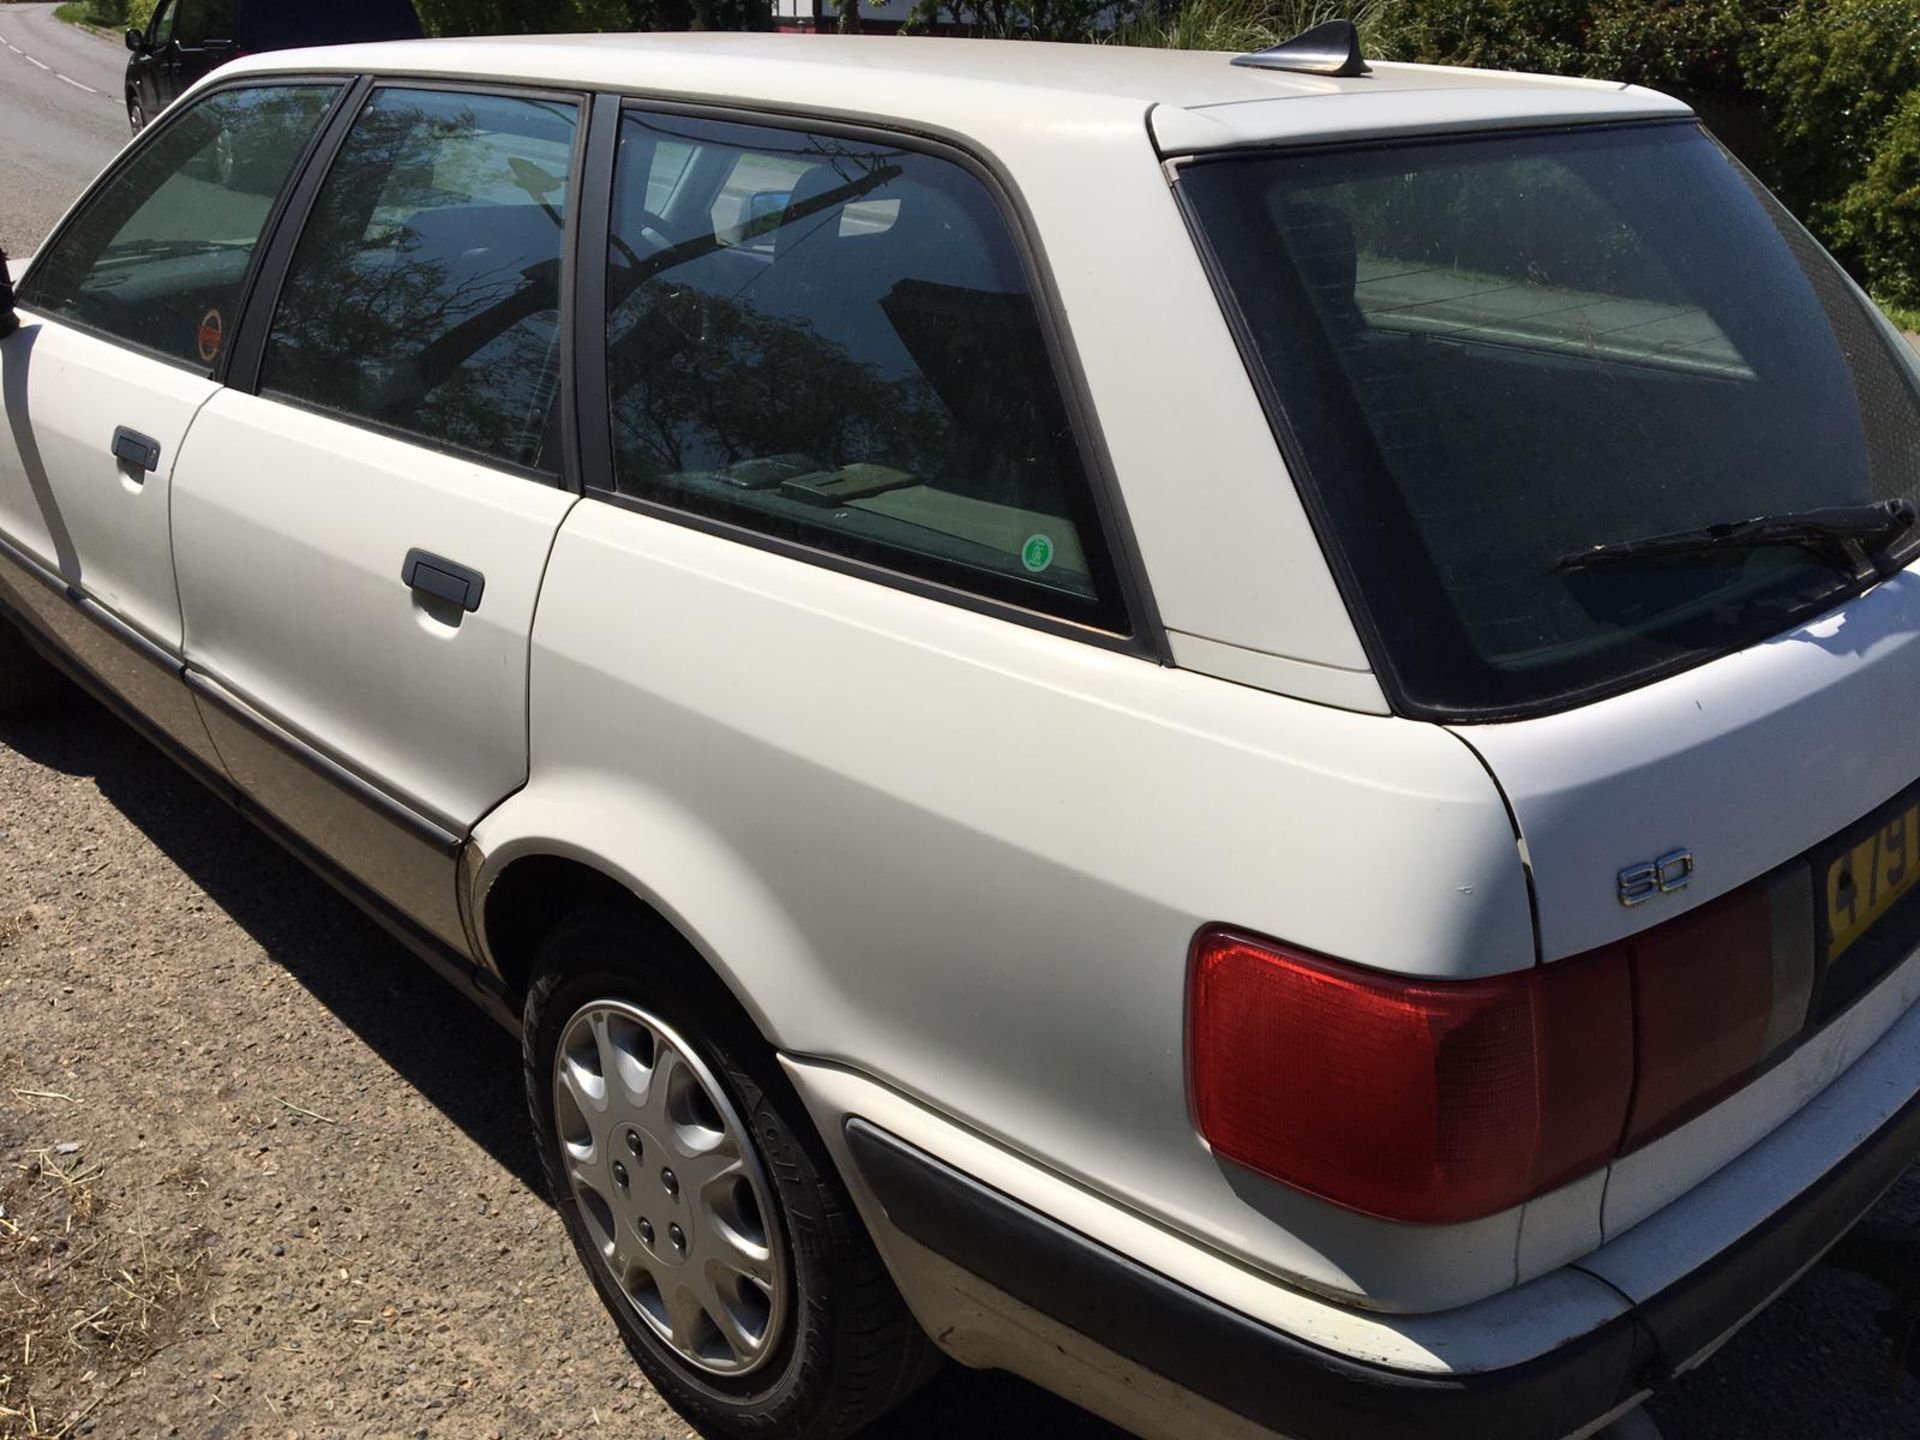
(61, 118)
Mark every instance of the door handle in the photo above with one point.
(443, 579)
(130, 447)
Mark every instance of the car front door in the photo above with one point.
(151, 79)
(125, 316)
(362, 524)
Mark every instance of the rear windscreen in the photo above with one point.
(1485, 355)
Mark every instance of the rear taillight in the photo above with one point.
(1432, 1102)
(1419, 1101)
(1718, 993)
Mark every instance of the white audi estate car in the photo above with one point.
(1237, 734)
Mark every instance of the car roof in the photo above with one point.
(981, 86)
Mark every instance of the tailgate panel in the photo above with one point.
(1746, 761)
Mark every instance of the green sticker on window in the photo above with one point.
(1037, 553)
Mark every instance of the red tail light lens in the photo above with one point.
(1433, 1102)
(1427, 1102)
(1717, 993)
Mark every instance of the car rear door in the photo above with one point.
(125, 314)
(362, 520)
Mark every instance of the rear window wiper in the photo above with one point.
(1855, 536)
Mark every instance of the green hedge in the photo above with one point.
(1875, 225)
(1696, 45)
(1841, 83)
(108, 14)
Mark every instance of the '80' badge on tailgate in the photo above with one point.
(1640, 883)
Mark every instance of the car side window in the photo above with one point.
(833, 342)
(424, 295)
(201, 21)
(157, 255)
(162, 32)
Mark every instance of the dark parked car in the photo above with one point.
(187, 38)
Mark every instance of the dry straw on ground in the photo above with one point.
(82, 1300)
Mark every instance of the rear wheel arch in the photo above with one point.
(594, 837)
(530, 897)
(535, 893)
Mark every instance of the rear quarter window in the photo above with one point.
(833, 343)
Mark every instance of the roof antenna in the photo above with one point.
(1329, 49)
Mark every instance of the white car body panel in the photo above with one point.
(290, 531)
(1747, 761)
(64, 497)
(97, 524)
(1224, 125)
(1091, 803)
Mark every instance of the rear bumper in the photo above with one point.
(1285, 1385)
(1008, 1267)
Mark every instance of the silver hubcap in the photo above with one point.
(669, 1188)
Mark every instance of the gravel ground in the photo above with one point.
(292, 1166)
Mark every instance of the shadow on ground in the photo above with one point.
(463, 1063)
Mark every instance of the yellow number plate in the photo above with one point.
(1869, 879)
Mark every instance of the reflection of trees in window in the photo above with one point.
(701, 382)
(832, 342)
(410, 305)
(717, 359)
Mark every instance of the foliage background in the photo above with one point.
(1820, 97)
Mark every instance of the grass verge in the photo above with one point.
(88, 16)
(1907, 320)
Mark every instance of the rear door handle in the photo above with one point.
(130, 447)
(443, 579)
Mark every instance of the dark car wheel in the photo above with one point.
(136, 114)
(699, 1197)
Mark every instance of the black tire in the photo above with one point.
(136, 114)
(850, 1351)
(27, 682)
